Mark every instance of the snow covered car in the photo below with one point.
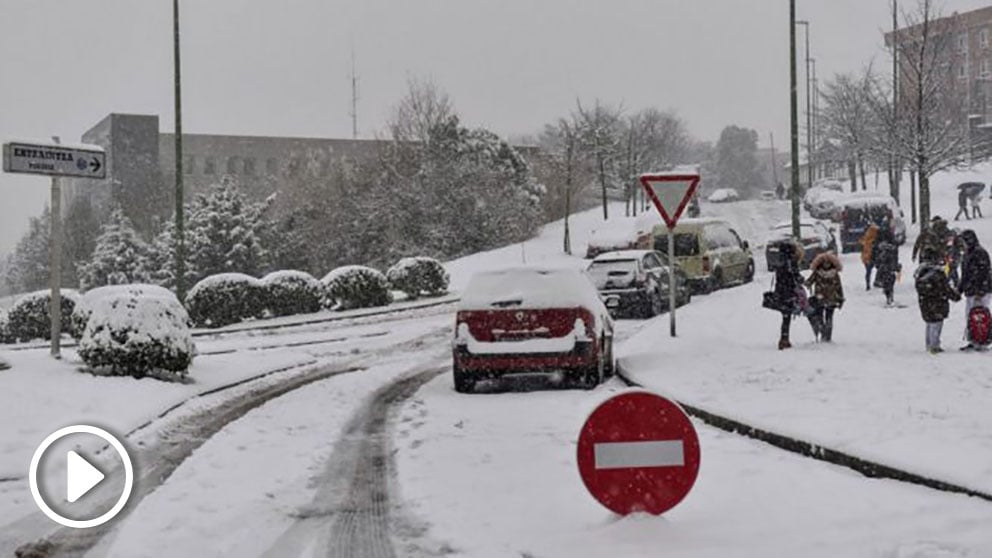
(860, 210)
(710, 252)
(768, 195)
(611, 239)
(823, 203)
(816, 239)
(531, 319)
(723, 195)
(635, 282)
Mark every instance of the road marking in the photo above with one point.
(624, 455)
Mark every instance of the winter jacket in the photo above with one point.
(885, 256)
(789, 282)
(868, 243)
(975, 270)
(825, 283)
(931, 245)
(934, 291)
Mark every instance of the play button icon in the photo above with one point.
(84, 483)
(81, 476)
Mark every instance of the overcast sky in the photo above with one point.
(280, 67)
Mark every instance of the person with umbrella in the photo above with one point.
(969, 191)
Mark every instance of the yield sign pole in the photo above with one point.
(670, 193)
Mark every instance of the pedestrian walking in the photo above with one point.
(885, 256)
(934, 291)
(962, 205)
(867, 244)
(953, 250)
(976, 284)
(788, 296)
(976, 208)
(826, 290)
(931, 245)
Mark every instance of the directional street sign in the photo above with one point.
(670, 193)
(638, 452)
(54, 160)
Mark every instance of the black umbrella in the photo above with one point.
(972, 188)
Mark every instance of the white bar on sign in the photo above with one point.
(623, 455)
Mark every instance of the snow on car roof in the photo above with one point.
(622, 255)
(866, 198)
(530, 287)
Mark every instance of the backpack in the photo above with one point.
(980, 326)
(885, 254)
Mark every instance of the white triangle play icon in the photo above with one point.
(81, 476)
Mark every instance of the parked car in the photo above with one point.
(816, 239)
(531, 319)
(635, 282)
(723, 195)
(862, 209)
(609, 240)
(710, 252)
(768, 195)
(823, 203)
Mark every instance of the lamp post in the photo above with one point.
(809, 111)
(794, 119)
(814, 113)
(180, 263)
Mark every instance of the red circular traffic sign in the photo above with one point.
(638, 452)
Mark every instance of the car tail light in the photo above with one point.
(640, 279)
(706, 264)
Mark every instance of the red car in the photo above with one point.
(527, 320)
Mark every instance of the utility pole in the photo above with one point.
(812, 120)
(771, 139)
(354, 97)
(180, 262)
(55, 263)
(794, 124)
(893, 157)
(809, 111)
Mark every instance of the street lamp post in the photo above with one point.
(809, 110)
(180, 263)
(815, 110)
(794, 119)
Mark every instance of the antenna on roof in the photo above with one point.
(354, 95)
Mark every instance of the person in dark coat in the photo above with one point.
(931, 245)
(885, 256)
(934, 291)
(791, 294)
(826, 290)
(962, 205)
(976, 275)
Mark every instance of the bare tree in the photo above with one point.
(567, 169)
(423, 107)
(847, 116)
(599, 137)
(931, 132)
(653, 140)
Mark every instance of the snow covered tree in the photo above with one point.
(600, 133)
(848, 120)
(225, 232)
(567, 174)
(737, 159)
(28, 266)
(651, 140)
(159, 263)
(119, 256)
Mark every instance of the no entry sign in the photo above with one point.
(638, 452)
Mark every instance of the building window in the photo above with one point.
(963, 43)
(209, 166)
(249, 166)
(232, 165)
(271, 166)
(983, 38)
(985, 68)
(189, 165)
(962, 71)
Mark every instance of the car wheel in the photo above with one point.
(610, 368)
(749, 274)
(592, 376)
(716, 280)
(463, 382)
(657, 304)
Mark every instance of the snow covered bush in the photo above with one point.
(418, 276)
(5, 336)
(29, 318)
(291, 292)
(81, 315)
(226, 298)
(133, 334)
(355, 286)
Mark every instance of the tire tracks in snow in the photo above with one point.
(351, 515)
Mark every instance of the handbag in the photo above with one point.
(772, 302)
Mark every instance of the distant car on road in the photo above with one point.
(531, 320)
(768, 195)
(858, 211)
(710, 252)
(635, 282)
(817, 238)
(723, 195)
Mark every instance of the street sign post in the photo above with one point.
(670, 193)
(55, 160)
(638, 452)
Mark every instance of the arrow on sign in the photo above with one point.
(670, 193)
(95, 164)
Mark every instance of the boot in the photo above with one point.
(783, 343)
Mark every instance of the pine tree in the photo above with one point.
(119, 256)
(159, 265)
(27, 267)
(225, 232)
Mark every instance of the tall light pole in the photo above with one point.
(180, 262)
(809, 111)
(814, 111)
(794, 119)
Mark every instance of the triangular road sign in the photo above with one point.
(670, 193)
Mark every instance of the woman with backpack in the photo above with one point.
(789, 295)
(934, 291)
(885, 256)
(976, 284)
(827, 292)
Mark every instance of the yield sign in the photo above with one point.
(638, 452)
(670, 193)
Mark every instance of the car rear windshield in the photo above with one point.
(866, 215)
(602, 271)
(685, 244)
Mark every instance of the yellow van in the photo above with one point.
(710, 251)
